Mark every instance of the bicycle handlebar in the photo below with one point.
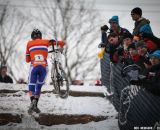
(51, 51)
(55, 50)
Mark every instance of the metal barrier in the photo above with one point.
(138, 109)
(112, 79)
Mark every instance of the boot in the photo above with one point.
(30, 110)
(35, 108)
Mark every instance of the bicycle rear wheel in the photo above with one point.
(60, 81)
(63, 84)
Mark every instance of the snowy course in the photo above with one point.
(18, 103)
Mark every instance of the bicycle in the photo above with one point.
(58, 75)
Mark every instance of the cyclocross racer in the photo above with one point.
(36, 53)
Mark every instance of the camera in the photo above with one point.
(104, 28)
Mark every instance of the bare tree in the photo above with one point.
(76, 22)
(12, 23)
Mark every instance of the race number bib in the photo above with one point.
(39, 57)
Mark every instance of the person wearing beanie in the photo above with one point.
(140, 22)
(155, 54)
(115, 27)
(114, 19)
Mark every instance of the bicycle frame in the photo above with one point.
(58, 75)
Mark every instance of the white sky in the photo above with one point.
(122, 8)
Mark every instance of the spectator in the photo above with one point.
(141, 23)
(114, 45)
(127, 40)
(152, 80)
(143, 56)
(133, 52)
(139, 55)
(4, 77)
(150, 37)
(141, 48)
(115, 27)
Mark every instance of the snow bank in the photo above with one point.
(49, 103)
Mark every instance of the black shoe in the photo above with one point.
(30, 110)
(35, 108)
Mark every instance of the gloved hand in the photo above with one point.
(104, 28)
(52, 41)
(101, 45)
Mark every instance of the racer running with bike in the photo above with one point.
(36, 54)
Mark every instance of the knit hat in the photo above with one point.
(137, 10)
(127, 35)
(155, 54)
(114, 19)
(141, 44)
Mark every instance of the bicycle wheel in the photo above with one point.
(63, 84)
(54, 79)
(59, 80)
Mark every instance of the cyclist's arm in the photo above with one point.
(28, 58)
(60, 43)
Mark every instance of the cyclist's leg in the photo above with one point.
(31, 86)
(32, 82)
(42, 72)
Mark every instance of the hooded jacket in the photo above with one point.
(139, 24)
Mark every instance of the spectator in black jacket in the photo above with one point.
(3, 75)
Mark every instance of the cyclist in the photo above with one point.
(36, 53)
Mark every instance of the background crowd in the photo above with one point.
(138, 51)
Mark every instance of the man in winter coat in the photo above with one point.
(140, 22)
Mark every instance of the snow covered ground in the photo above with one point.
(49, 103)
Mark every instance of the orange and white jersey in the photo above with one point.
(37, 51)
